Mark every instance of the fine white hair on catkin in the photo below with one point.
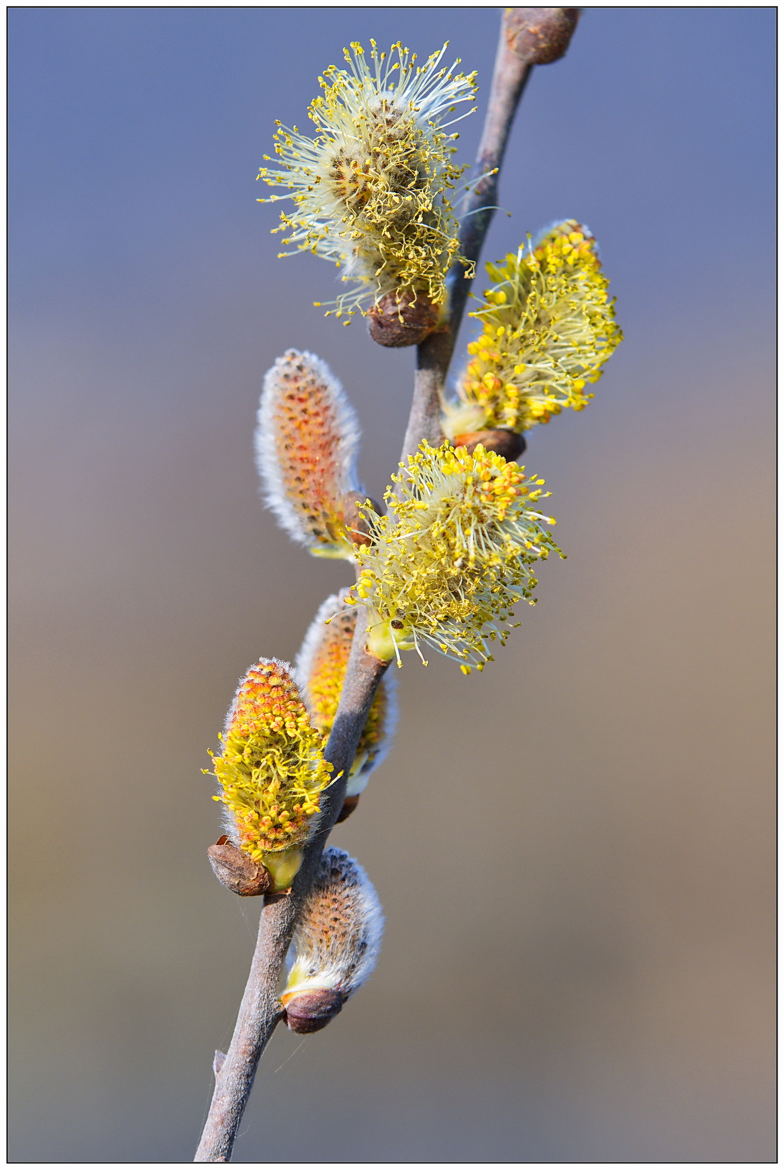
(326, 470)
(338, 937)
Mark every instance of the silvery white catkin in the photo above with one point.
(335, 945)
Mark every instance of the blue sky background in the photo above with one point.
(574, 850)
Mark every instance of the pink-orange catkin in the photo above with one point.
(306, 442)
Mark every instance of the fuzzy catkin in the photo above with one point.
(548, 329)
(338, 935)
(453, 555)
(320, 670)
(370, 191)
(271, 770)
(306, 444)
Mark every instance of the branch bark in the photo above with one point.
(528, 36)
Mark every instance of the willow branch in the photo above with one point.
(260, 1010)
(528, 37)
(524, 31)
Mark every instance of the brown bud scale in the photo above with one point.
(312, 1010)
(407, 320)
(349, 804)
(236, 870)
(504, 442)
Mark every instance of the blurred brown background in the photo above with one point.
(574, 850)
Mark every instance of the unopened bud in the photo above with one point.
(405, 320)
(539, 35)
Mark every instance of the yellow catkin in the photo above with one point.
(271, 769)
(370, 189)
(548, 327)
(453, 555)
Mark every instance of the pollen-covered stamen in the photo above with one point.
(335, 945)
(453, 555)
(306, 443)
(271, 770)
(548, 328)
(320, 671)
(370, 190)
